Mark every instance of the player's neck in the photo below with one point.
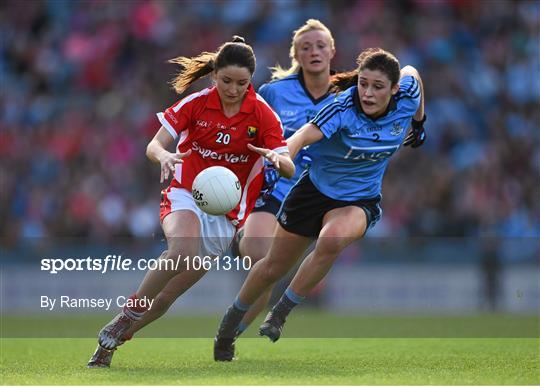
(230, 110)
(317, 84)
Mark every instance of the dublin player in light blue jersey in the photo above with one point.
(337, 200)
(296, 95)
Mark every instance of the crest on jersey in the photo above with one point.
(252, 131)
(397, 129)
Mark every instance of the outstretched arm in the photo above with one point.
(157, 152)
(306, 135)
(281, 161)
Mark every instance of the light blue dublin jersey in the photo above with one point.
(294, 105)
(349, 162)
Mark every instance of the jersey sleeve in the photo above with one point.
(408, 96)
(328, 119)
(271, 135)
(177, 117)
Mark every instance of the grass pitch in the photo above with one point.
(289, 361)
(378, 350)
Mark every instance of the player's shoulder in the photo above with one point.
(341, 105)
(278, 84)
(193, 99)
(409, 87)
(262, 107)
(344, 99)
(282, 81)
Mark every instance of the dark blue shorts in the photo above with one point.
(304, 208)
(271, 205)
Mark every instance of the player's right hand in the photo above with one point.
(168, 163)
(268, 154)
(417, 135)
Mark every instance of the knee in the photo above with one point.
(173, 259)
(271, 272)
(255, 248)
(333, 240)
(180, 248)
(328, 247)
(174, 254)
(170, 254)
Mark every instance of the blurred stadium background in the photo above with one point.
(82, 80)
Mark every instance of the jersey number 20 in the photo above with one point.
(223, 138)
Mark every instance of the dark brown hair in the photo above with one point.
(371, 59)
(236, 53)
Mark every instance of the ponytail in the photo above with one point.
(192, 69)
(342, 81)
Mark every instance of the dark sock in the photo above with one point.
(228, 328)
(286, 303)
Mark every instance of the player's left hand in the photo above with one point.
(268, 154)
(417, 135)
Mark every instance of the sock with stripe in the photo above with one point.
(137, 309)
(228, 328)
(287, 302)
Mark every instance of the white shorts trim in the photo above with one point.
(217, 232)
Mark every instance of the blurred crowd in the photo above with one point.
(82, 80)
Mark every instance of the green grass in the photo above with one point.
(304, 323)
(289, 361)
(374, 350)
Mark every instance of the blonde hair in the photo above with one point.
(279, 72)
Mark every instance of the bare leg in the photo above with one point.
(256, 242)
(285, 250)
(259, 229)
(182, 230)
(176, 286)
(341, 227)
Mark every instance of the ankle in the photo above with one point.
(286, 303)
(135, 307)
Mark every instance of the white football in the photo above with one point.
(216, 190)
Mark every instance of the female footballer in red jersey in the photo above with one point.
(226, 125)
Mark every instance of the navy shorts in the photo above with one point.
(304, 208)
(271, 205)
